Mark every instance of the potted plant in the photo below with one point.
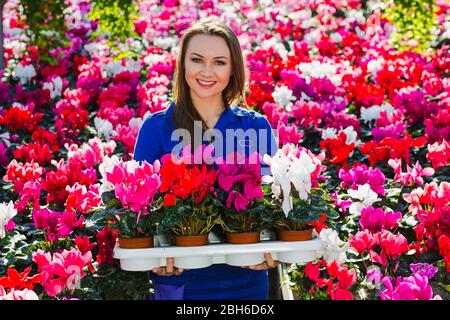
(132, 202)
(241, 198)
(190, 209)
(294, 180)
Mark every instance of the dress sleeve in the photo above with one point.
(269, 145)
(148, 146)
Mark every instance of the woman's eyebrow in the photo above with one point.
(214, 57)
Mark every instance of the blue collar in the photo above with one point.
(229, 115)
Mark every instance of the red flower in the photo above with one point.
(16, 118)
(34, 151)
(18, 281)
(339, 150)
(444, 250)
(312, 271)
(106, 240)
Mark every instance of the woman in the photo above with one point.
(208, 79)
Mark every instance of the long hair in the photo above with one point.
(184, 113)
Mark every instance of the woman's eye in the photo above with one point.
(195, 60)
(220, 62)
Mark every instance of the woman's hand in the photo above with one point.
(168, 270)
(268, 264)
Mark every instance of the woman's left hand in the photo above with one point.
(268, 264)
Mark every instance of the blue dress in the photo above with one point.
(219, 281)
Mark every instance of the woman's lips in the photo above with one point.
(205, 86)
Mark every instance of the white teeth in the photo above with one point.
(205, 83)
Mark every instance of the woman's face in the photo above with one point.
(207, 66)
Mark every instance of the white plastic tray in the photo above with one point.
(204, 256)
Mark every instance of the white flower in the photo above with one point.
(24, 294)
(352, 136)
(333, 248)
(366, 196)
(329, 133)
(24, 73)
(316, 69)
(54, 86)
(290, 169)
(135, 122)
(7, 212)
(283, 97)
(165, 43)
(104, 128)
(107, 165)
(373, 112)
(113, 68)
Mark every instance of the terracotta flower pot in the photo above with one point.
(191, 241)
(286, 235)
(243, 238)
(136, 243)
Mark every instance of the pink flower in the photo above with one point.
(393, 244)
(81, 199)
(135, 185)
(62, 271)
(362, 241)
(375, 219)
(439, 154)
(415, 287)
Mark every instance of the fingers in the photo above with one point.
(169, 269)
(269, 260)
(268, 264)
(169, 265)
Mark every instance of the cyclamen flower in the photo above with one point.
(375, 219)
(415, 287)
(81, 199)
(62, 271)
(24, 294)
(54, 86)
(24, 73)
(135, 185)
(424, 269)
(360, 175)
(7, 213)
(439, 154)
(56, 224)
(292, 167)
(242, 180)
(366, 196)
(413, 174)
(393, 244)
(362, 241)
(18, 281)
(106, 240)
(283, 97)
(333, 248)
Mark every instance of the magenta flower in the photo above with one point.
(135, 185)
(415, 287)
(361, 175)
(423, 269)
(240, 177)
(55, 224)
(375, 219)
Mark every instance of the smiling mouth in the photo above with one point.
(206, 84)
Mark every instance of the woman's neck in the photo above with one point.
(209, 109)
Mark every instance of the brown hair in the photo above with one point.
(184, 113)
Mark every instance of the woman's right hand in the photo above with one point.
(168, 270)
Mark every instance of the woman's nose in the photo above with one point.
(207, 70)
